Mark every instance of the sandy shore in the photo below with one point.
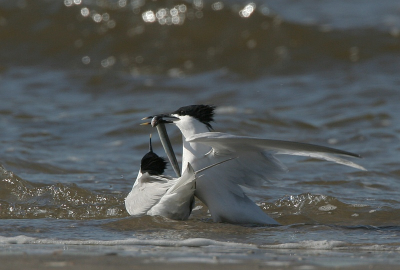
(84, 262)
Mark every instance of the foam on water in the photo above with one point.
(200, 242)
(320, 245)
(194, 242)
(308, 254)
(195, 250)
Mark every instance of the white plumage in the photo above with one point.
(155, 194)
(160, 195)
(220, 188)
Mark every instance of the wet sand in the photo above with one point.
(113, 261)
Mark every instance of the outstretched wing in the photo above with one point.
(223, 143)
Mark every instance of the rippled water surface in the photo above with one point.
(76, 77)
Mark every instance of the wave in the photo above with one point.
(175, 37)
(23, 199)
(333, 245)
(203, 242)
(193, 242)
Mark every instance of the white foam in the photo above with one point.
(310, 244)
(198, 242)
(333, 245)
(328, 207)
(20, 239)
(193, 242)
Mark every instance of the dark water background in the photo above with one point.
(77, 76)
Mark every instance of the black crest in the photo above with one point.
(153, 164)
(203, 113)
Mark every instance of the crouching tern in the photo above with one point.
(155, 194)
(220, 188)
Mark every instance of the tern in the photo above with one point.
(155, 194)
(256, 163)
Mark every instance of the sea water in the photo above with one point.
(76, 77)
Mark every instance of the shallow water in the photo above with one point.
(74, 87)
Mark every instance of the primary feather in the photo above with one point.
(227, 144)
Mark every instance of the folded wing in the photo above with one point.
(146, 193)
(178, 201)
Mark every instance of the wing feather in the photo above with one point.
(223, 143)
(146, 192)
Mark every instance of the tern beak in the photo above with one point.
(160, 118)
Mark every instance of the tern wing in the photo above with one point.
(178, 201)
(226, 143)
(187, 179)
(146, 193)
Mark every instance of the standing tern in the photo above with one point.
(220, 188)
(155, 194)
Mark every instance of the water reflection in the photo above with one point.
(176, 15)
(247, 10)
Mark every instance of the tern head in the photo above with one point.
(152, 163)
(198, 113)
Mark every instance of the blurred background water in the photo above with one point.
(76, 77)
